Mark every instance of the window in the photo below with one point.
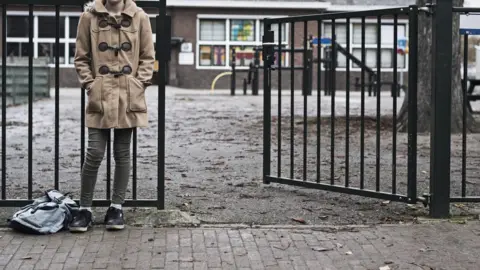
(371, 35)
(73, 25)
(218, 37)
(274, 28)
(244, 55)
(17, 26)
(212, 55)
(242, 30)
(212, 30)
(47, 26)
(17, 51)
(153, 24)
(47, 53)
(340, 32)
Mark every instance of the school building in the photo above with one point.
(205, 31)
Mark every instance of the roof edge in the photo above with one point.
(249, 4)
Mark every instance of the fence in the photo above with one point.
(162, 51)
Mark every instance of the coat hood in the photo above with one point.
(98, 6)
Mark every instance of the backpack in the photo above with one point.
(46, 215)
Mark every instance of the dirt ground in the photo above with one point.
(214, 159)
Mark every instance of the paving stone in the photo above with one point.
(453, 247)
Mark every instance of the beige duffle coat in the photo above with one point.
(114, 60)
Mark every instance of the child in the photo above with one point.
(114, 60)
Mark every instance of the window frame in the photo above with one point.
(227, 42)
(354, 46)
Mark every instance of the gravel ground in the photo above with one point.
(214, 158)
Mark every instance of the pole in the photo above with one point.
(441, 109)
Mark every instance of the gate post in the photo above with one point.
(161, 50)
(441, 109)
(412, 104)
(256, 65)
(233, 78)
(268, 43)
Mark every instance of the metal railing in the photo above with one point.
(162, 49)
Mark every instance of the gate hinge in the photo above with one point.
(428, 9)
(268, 45)
(425, 199)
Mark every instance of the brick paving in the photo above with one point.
(424, 246)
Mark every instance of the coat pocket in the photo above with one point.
(94, 93)
(136, 96)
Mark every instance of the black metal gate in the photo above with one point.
(342, 157)
(446, 183)
(162, 56)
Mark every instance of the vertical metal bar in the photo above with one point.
(395, 83)
(57, 95)
(305, 94)
(82, 124)
(319, 94)
(332, 105)
(279, 137)
(292, 98)
(30, 101)
(379, 75)
(362, 111)
(162, 43)
(412, 101)
(234, 77)
(134, 161)
(347, 117)
(267, 105)
(109, 163)
(4, 101)
(464, 116)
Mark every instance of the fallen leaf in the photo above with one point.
(299, 220)
(283, 248)
(321, 249)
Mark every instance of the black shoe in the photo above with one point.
(114, 219)
(81, 222)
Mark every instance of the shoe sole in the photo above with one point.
(115, 227)
(79, 229)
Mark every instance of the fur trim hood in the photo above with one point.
(97, 6)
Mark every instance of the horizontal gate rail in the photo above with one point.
(341, 189)
(340, 15)
(364, 179)
(162, 49)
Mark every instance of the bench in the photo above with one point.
(470, 96)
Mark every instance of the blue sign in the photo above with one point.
(402, 43)
(469, 24)
(323, 41)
